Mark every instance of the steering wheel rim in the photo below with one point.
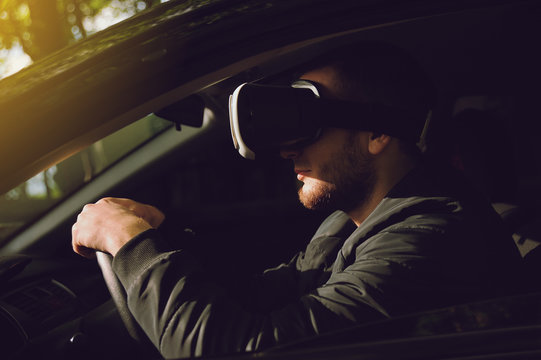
(118, 294)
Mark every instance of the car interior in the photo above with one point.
(484, 63)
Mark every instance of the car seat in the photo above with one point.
(483, 151)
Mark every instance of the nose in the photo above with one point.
(290, 154)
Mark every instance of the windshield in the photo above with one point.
(33, 198)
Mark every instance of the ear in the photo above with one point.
(377, 143)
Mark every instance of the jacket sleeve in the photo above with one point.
(185, 314)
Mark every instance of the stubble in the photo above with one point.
(348, 183)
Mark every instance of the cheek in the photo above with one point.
(329, 171)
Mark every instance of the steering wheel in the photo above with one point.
(105, 262)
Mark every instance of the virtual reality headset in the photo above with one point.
(267, 118)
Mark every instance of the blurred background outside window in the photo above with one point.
(32, 29)
(29, 31)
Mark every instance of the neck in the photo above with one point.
(388, 174)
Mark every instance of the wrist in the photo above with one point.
(128, 234)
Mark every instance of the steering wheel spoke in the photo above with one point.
(105, 262)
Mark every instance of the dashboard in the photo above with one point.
(59, 309)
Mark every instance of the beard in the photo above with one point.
(349, 180)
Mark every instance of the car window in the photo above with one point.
(30, 30)
(34, 197)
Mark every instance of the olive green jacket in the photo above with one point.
(428, 244)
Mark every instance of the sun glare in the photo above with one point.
(13, 60)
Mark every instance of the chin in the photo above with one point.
(316, 195)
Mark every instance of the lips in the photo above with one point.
(301, 173)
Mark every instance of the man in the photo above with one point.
(405, 238)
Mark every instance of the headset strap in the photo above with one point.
(368, 117)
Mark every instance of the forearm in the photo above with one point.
(181, 312)
(186, 314)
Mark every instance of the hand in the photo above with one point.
(110, 223)
(148, 212)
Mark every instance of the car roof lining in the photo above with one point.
(474, 48)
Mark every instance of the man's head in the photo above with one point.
(347, 169)
(378, 73)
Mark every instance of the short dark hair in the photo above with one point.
(381, 73)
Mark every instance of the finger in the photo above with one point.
(155, 216)
(84, 251)
(77, 248)
(133, 206)
(127, 203)
(86, 209)
(77, 238)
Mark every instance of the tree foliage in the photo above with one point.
(43, 26)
